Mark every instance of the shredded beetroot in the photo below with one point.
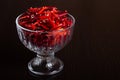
(44, 19)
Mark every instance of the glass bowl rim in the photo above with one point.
(72, 25)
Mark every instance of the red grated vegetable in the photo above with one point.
(45, 19)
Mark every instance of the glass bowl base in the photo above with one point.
(45, 66)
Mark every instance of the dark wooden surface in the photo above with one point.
(93, 53)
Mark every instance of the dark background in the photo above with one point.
(93, 53)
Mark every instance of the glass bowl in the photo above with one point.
(45, 44)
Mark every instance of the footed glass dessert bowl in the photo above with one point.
(45, 31)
